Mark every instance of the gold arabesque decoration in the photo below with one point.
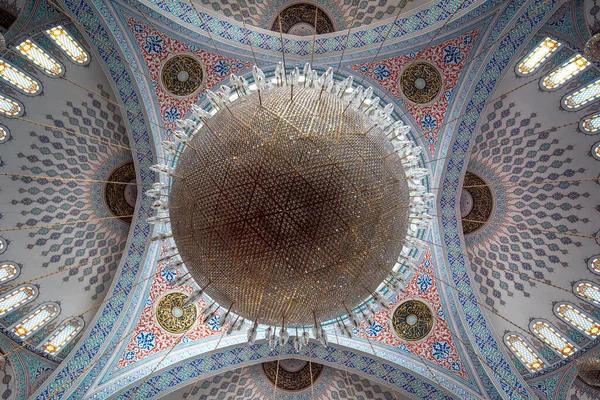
(412, 320)
(292, 380)
(421, 82)
(182, 75)
(172, 316)
(120, 199)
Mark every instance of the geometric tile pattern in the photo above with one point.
(106, 322)
(509, 243)
(158, 48)
(190, 370)
(438, 347)
(251, 383)
(448, 57)
(58, 154)
(149, 337)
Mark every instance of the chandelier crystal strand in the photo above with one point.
(303, 193)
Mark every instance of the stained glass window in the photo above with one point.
(565, 72)
(66, 42)
(591, 124)
(553, 338)
(583, 96)
(63, 335)
(596, 150)
(15, 298)
(537, 56)
(17, 78)
(588, 291)
(578, 319)
(9, 107)
(4, 134)
(39, 57)
(522, 350)
(8, 271)
(36, 319)
(594, 264)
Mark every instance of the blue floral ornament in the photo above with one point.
(455, 366)
(168, 275)
(145, 340)
(441, 350)
(381, 72)
(153, 44)
(129, 355)
(428, 122)
(213, 323)
(373, 330)
(452, 55)
(172, 114)
(424, 282)
(221, 68)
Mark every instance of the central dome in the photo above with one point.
(289, 208)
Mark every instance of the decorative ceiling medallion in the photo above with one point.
(292, 375)
(172, 316)
(299, 20)
(412, 320)
(476, 203)
(421, 82)
(120, 198)
(182, 75)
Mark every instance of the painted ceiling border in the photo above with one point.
(531, 14)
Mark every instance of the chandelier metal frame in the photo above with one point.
(356, 99)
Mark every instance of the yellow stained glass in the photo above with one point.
(568, 70)
(63, 335)
(17, 78)
(553, 338)
(9, 107)
(66, 42)
(537, 56)
(527, 356)
(35, 320)
(39, 57)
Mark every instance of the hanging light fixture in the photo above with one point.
(292, 202)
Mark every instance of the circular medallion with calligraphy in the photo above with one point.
(120, 193)
(421, 82)
(412, 320)
(291, 374)
(172, 316)
(182, 75)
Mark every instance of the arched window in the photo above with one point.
(537, 56)
(8, 271)
(553, 338)
(583, 96)
(15, 298)
(596, 150)
(522, 350)
(568, 70)
(4, 134)
(40, 58)
(591, 124)
(63, 335)
(9, 107)
(588, 291)
(18, 79)
(66, 42)
(36, 320)
(578, 319)
(594, 264)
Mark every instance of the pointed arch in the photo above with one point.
(36, 319)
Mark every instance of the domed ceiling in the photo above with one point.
(494, 293)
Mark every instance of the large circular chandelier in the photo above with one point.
(291, 203)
